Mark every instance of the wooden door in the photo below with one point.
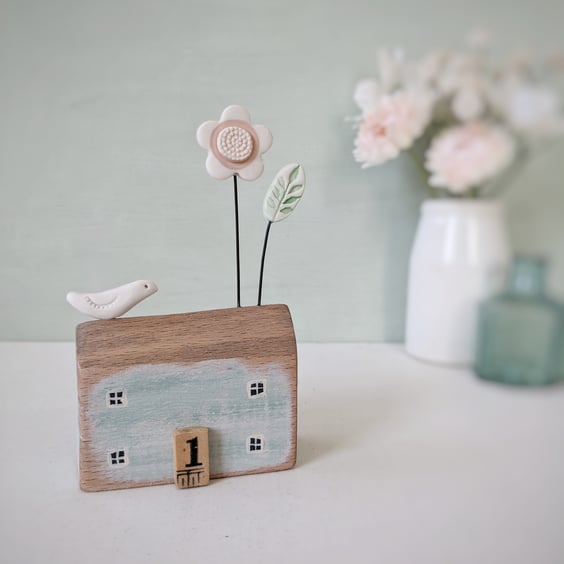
(191, 457)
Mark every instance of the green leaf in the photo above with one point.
(294, 173)
(290, 200)
(284, 193)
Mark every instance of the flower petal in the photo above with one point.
(203, 135)
(253, 171)
(366, 94)
(216, 169)
(264, 137)
(467, 155)
(235, 112)
(389, 65)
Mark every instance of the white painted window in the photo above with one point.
(116, 398)
(255, 443)
(118, 457)
(256, 388)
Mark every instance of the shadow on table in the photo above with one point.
(330, 422)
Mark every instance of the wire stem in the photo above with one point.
(262, 261)
(237, 240)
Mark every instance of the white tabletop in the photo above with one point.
(398, 462)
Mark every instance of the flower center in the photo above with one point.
(235, 144)
(378, 130)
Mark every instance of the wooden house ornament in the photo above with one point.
(185, 398)
(142, 379)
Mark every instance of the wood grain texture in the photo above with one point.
(191, 457)
(189, 337)
(259, 339)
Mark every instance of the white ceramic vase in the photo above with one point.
(460, 256)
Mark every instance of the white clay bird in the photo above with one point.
(112, 303)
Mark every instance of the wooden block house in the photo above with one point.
(141, 379)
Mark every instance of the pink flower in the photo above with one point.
(465, 156)
(368, 92)
(532, 109)
(234, 144)
(392, 125)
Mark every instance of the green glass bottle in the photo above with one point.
(520, 333)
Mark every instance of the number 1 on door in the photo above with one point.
(191, 457)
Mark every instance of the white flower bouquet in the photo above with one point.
(467, 121)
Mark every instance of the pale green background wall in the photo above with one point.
(102, 181)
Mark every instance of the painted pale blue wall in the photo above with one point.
(164, 397)
(102, 181)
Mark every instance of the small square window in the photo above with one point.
(256, 388)
(117, 457)
(116, 398)
(255, 444)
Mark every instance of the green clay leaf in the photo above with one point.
(290, 200)
(294, 174)
(284, 193)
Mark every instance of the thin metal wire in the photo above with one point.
(262, 261)
(237, 240)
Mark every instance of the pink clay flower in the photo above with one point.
(234, 144)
